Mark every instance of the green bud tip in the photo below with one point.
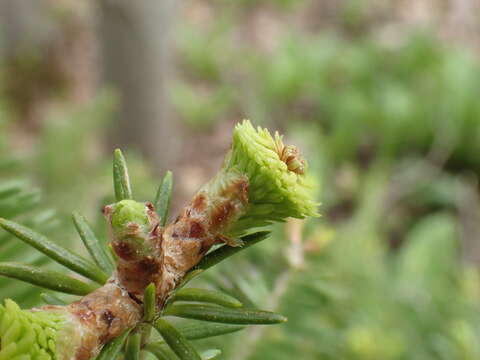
(127, 212)
(278, 186)
(29, 335)
(132, 223)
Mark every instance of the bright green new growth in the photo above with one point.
(126, 212)
(26, 335)
(277, 185)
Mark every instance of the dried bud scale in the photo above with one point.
(201, 224)
(102, 316)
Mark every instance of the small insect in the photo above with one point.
(290, 155)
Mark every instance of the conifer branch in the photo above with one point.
(260, 182)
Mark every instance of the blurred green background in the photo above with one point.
(381, 96)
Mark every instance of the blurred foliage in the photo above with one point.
(364, 96)
(392, 127)
(19, 199)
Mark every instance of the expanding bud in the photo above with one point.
(129, 215)
(276, 173)
(37, 334)
(134, 228)
(261, 181)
